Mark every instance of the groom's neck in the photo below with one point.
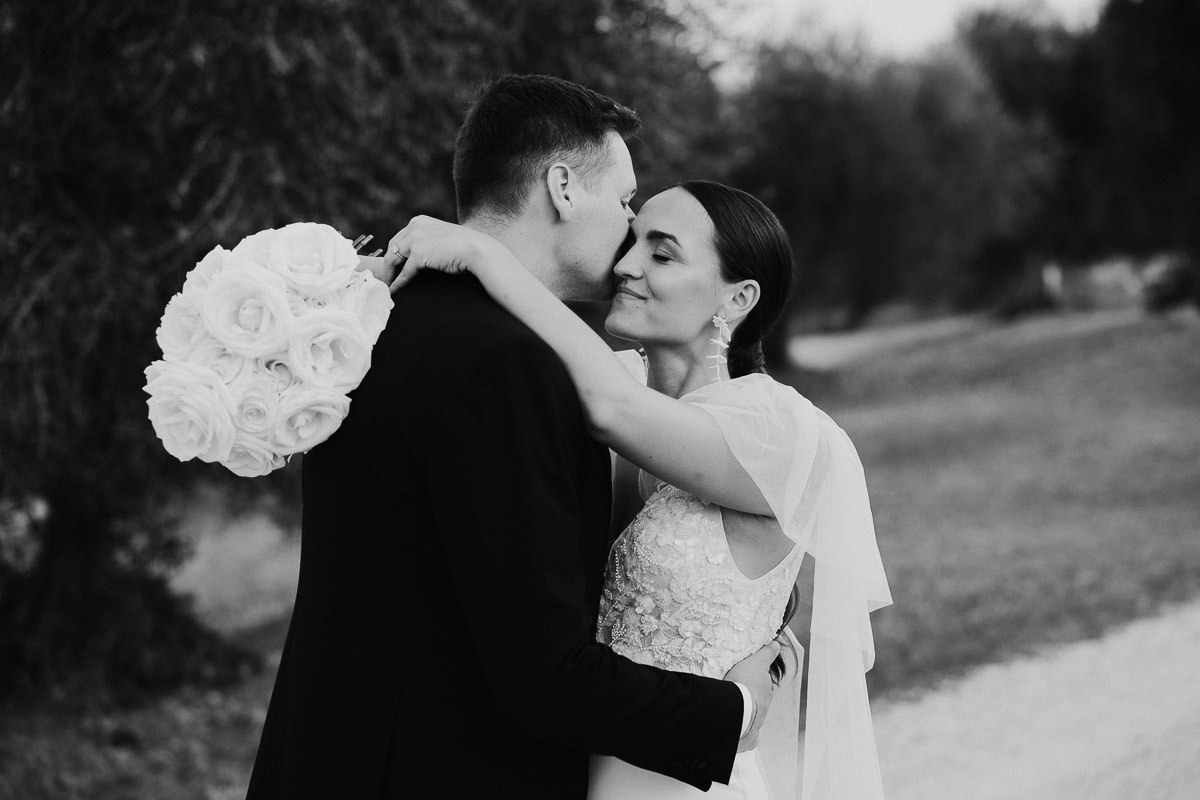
(528, 242)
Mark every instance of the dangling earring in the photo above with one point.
(721, 341)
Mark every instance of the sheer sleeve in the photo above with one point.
(840, 759)
(632, 361)
(775, 435)
(809, 473)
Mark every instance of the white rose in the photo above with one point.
(201, 275)
(180, 330)
(256, 248)
(369, 301)
(313, 258)
(307, 417)
(217, 357)
(330, 349)
(257, 404)
(246, 309)
(283, 376)
(302, 304)
(191, 410)
(252, 456)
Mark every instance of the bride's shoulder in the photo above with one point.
(764, 404)
(754, 389)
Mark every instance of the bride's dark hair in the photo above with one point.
(751, 244)
(779, 665)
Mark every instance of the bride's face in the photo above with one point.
(669, 284)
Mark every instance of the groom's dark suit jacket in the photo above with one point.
(455, 531)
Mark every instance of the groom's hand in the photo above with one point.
(754, 672)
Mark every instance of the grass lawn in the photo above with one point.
(1032, 483)
(193, 745)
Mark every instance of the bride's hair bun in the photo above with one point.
(746, 358)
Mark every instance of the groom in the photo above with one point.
(456, 526)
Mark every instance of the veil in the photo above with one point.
(840, 759)
(810, 474)
(779, 740)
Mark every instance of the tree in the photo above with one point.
(1149, 156)
(1044, 75)
(816, 152)
(1120, 99)
(891, 178)
(986, 175)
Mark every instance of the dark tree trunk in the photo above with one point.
(52, 609)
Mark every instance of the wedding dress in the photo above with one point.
(675, 599)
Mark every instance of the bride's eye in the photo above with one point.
(661, 258)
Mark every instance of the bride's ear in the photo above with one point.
(560, 183)
(744, 298)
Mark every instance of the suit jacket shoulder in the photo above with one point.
(451, 318)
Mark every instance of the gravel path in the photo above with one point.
(1110, 719)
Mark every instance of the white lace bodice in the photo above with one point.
(673, 596)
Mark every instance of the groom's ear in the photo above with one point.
(561, 183)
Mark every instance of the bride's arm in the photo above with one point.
(626, 500)
(673, 440)
(377, 266)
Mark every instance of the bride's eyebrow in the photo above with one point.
(663, 236)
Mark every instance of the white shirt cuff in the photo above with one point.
(747, 708)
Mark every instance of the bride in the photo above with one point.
(723, 479)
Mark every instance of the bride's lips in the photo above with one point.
(630, 292)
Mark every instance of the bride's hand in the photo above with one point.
(428, 243)
(754, 673)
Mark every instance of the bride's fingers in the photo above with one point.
(399, 247)
(408, 271)
(413, 262)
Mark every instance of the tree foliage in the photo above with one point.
(1148, 154)
(892, 179)
(1121, 100)
(948, 179)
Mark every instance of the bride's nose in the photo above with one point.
(627, 266)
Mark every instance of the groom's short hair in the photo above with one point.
(521, 124)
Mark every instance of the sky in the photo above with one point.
(901, 28)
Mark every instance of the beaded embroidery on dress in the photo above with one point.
(674, 598)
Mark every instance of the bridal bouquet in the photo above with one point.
(261, 347)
